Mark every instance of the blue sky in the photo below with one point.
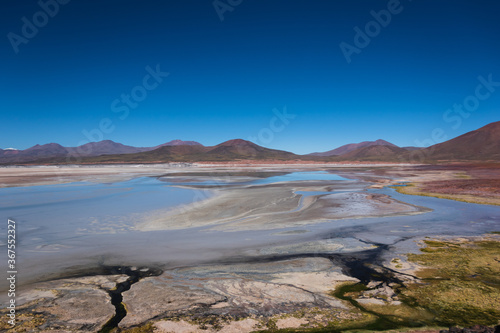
(227, 76)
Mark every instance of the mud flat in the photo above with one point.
(208, 297)
(284, 205)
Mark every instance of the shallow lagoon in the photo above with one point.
(66, 229)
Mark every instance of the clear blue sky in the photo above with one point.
(226, 77)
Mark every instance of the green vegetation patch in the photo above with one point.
(461, 281)
(462, 175)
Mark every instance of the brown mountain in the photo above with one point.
(242, 149)
(169, 153)
(352, 147)
(8, 152)
(480, 144)
(108, 147)
(374, 153)
(105, 147)
(227, 151)
(179, 143)
(51, 151)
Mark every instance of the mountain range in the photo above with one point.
(55, 150)
(231, 150)
(482, 144)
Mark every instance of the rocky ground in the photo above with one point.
(234, 298)
(300, 293)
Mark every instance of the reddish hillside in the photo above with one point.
(53, 151)
(352, 147)
(374, 153)
(178, 143)
(227, 151)
(105, 147)
(481, 144)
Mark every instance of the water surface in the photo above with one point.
(64, 228)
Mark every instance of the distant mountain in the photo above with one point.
(480, 144)
(374, 153)
(8, 152)
(51, 151)
(242, 149)
(352, 147)
(231, 150)
(36, 152)
(180, 143)
(165, 153)
(105, 147)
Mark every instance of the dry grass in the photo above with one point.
(418, 189)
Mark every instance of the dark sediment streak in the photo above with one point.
(116, 294)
